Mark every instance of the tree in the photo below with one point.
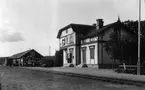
(124, 49)
(121, 48)
(133, 25)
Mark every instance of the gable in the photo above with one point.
(33, 53)
(25, 53)
(124, 32)
(71, 28)
(66, 32)
(108, 29)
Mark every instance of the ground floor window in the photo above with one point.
(70, 55)
(92, 52)
(84, 55)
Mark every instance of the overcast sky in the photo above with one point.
(27, 24)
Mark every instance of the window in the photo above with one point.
(71, 53)
(92, 52)
(83, 48)
(71, 39)
(71, 50)
(63, 42)
(66, 55)
(66, 40)
(66, 31)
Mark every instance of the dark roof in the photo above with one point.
(19, 55)
(95, 32)
(48, 58)
(79, 28)
(3, 58)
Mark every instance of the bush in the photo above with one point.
(118, 70)
(71, 65)
(84, 65)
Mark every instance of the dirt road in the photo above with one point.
(21, 79)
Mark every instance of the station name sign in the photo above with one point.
(89, 40)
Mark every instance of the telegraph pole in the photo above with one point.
(138, 62)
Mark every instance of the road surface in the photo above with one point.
(13, 78)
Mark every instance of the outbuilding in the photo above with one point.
(27, 58)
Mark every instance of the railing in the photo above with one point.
(128, 68)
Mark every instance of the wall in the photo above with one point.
(68, 38)
(65, 33)
(88, 60)
(104, 59)
(73, 57)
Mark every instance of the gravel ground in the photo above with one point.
(13, 78)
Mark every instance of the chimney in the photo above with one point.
(99, 23)
(94, 24)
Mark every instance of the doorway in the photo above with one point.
(71, 55)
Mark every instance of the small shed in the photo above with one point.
(27, 58)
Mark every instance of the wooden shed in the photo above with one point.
(27, 58)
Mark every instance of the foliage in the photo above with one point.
(133, 25)
(85, 66)
(121, 48)
(124, 49)
(58, 60)
(71, 65)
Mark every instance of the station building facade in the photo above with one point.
(84, 44)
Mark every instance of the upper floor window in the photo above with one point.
(66, 41)
(71, 39)
(66, 31)
(63, 42)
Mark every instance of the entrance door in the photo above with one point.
(71, 55)
(84, 55)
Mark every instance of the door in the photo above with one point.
(71, 55)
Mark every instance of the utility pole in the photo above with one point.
(138, 62)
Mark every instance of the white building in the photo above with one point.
(70, 42)
(84, 44)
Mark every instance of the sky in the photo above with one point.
(34, 24)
